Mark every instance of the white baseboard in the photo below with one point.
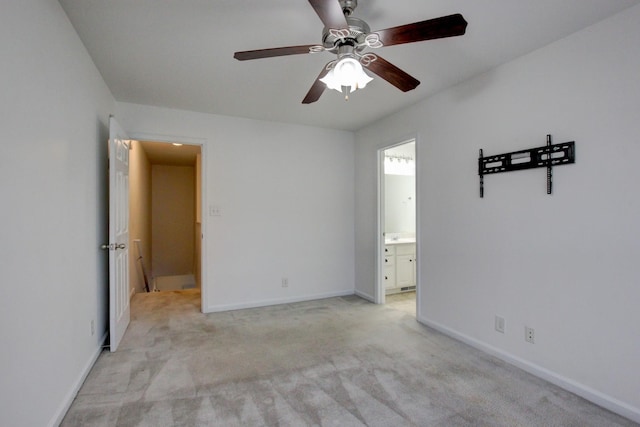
(365, 296)
(592, 395)
(276, 301)
(71, 395)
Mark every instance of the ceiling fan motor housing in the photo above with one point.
(358, 31)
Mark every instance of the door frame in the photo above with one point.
(380, 294)
(202, 143)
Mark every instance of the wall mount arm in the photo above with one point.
(546, 156)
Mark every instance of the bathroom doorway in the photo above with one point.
(398, 270)
(165, 216)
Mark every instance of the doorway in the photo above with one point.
(165, 216)
(397, 269)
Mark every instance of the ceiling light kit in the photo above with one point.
(349, 37)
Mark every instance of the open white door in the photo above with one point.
(118, 233)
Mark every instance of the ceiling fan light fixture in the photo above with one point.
(346, 76)
(349, 38)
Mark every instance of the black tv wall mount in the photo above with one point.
(546, 156)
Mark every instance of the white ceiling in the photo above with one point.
(179, 53)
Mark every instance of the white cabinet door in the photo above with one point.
(389, 277)
(405, 271)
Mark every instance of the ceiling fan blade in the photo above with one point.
(270, 53)
(317, 88)
(393, 74)
(330, 13)
(445, 26)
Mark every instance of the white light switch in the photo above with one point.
(215, 211)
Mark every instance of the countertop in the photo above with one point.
(399, 241)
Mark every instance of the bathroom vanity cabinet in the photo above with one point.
(399, 267)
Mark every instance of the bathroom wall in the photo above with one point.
(400, 204)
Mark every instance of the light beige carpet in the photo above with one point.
(332, 362)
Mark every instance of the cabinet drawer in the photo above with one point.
(389, 261)
(389, 250)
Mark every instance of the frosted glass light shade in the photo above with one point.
(347, 72)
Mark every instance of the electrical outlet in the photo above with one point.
(93, 327)
(529, 335)
(285, 282)
(499, 324)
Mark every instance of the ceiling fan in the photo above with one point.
(349, 37)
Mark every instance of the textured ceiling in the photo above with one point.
(179, 54)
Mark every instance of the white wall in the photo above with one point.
(54, 116)
(286, 198)
(565, 264)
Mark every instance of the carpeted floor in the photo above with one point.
(333, 362)
(404, 301)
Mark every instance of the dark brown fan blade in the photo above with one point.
(316, 89)
(393, 74)
(270, 53)
(330, 13)
(445, 26)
